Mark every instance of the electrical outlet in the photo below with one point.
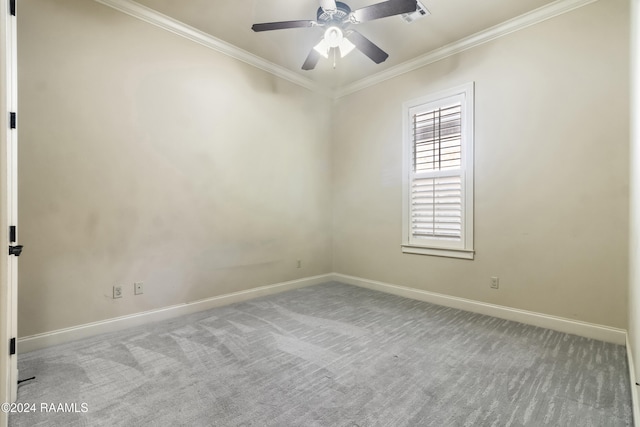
(495, 282)
(117, 292)
(138, 288)
(299, 264)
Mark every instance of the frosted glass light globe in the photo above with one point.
(333, 36)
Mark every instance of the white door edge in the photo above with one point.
(8, 205)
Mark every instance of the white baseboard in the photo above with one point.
(584, 329)
(589, 330)
(47, 339)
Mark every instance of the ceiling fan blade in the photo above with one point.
(312, 60)
(327, 5)
(367, 47)
(382, 10)
(268, 26)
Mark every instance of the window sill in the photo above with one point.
(449, 253)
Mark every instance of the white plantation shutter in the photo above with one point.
(436, 199)
(438, 147)
(436, 207)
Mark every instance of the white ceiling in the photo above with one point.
(231, 20)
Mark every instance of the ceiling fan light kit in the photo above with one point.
(334, 39)
(337, 17)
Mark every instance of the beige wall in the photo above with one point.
(146, 157)
(551, 178)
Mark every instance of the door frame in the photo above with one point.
(8, 206)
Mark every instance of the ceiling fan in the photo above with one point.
(337, 17)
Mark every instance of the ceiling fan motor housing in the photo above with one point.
(341, 13)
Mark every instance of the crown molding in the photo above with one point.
(525, 20)
(165, 22)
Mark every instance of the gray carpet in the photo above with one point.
(330, 355)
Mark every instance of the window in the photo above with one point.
(438, 174)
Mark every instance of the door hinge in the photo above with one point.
(12, 7)
(15, 250)
(12, 346)
(12, 234)
(13, 120)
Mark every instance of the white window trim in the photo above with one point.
(463, 249)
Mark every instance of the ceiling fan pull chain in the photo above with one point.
(334, 57)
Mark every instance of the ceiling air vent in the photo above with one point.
(421, 12)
